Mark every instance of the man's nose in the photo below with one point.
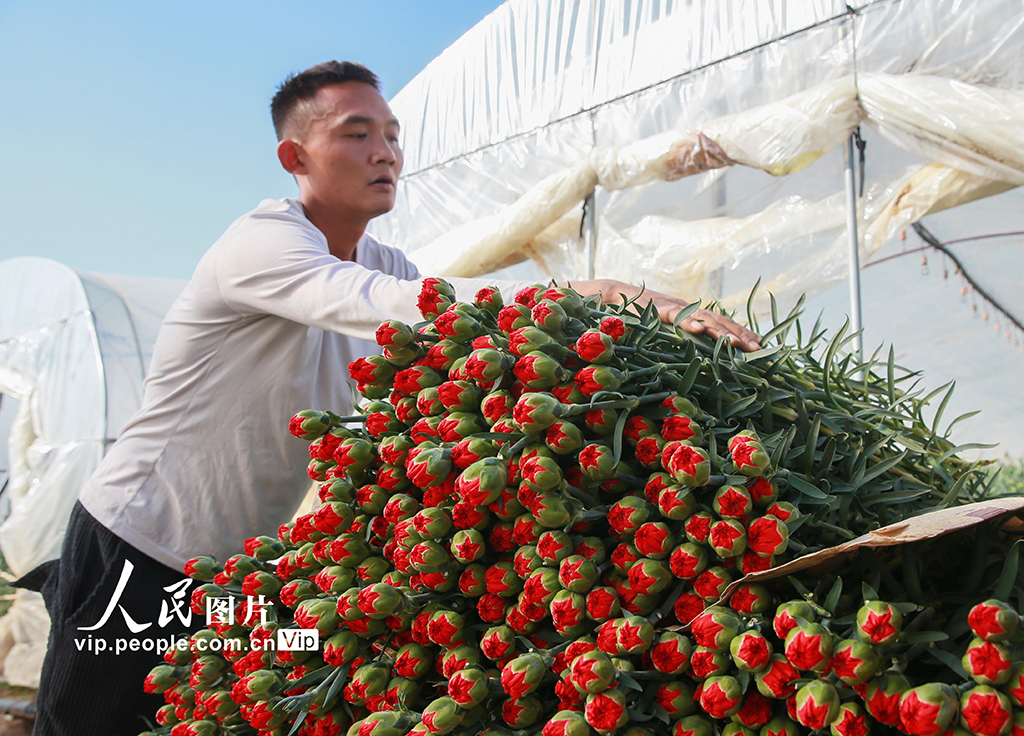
(385, 151)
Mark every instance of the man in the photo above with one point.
(275, 311)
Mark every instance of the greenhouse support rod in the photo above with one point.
(851, 230)
(590, 234)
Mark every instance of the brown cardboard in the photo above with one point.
(926, 526)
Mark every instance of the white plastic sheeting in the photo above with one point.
(979, 131)
(513, 125)
(74, 349)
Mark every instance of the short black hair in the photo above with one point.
(298, 88)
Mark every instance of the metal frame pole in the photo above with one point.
(851, 230)
(590, 235)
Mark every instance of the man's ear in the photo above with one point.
(289, 154)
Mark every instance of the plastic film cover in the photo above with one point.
(533, 62)
(73, 348)
(943, 156)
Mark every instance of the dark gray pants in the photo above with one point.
(83, 691)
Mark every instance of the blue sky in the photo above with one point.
(133, 133)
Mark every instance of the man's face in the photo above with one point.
(350, 150)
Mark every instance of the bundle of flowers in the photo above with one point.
(536, 505)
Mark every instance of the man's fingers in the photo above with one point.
(692, 324)
(716, 326)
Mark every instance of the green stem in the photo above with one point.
(572, 410)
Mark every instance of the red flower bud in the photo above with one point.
(732, 502)
(750, 598)
(854, 662)
(988, 662)
(879, 622)
(882, 697)
(614, 327)
(711, 583)
(928, 710)
(721, 697)
(602, 604)
(606, 711)
(985, 711)
(777, 678)
(817, 705)
(750, 651)
(994, 620)
(435, 296)
(809, 647)
(851, 721)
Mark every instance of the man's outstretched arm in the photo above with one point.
(702, 321)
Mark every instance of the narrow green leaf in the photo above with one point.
(716, 356)
(874, 447)
(830, 355)
(940, 470)
(909, 442)
(685, 312)
(950, 497)
(832, 599)
(805, 487)
(895, 497)
(779, 329)
(923, 637)
(299, 721)
(629, 682)
(620, 426)
(966, 415)
(800, 587)
(951, 661)
(811, 445)
(891, 375)
(827, 455)
(510, 436)
(763, 353)
(927, 399)
(751, 319)
(689, 376)
(335, 688)
(1008, 577)
(868, 593)
(315, 677)
(767, 417)
(942, 407)
(648, 335)
(877, 470)
(961, 448)
(713, 459)
(737, 407)
(783, 447)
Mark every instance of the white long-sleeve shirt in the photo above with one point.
(266, 328)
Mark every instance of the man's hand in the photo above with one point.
(701, 321)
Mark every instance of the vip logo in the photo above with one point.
(298, 640)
